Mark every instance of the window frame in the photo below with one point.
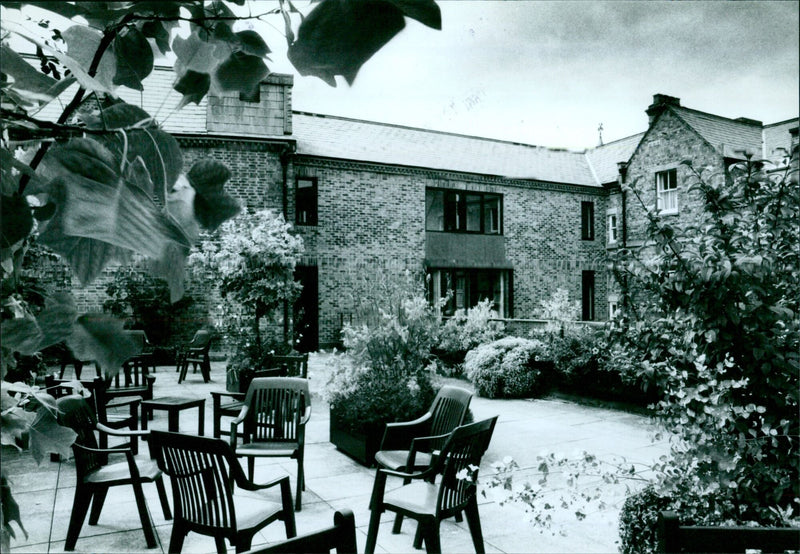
(612, 231)
(441, 280)
(455, 215)
(587, 220)
(663, 177)
(311, 197)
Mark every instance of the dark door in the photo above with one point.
(306, 310)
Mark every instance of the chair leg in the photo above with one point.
(301, 486)
(222, 549)
(251, 466)
(474, 522)
(144, 516)
(398, 524)
(177, 537)
(419, 534)
(162, 496)
(80, 505)
(372, 532)
(430, 530)
(97, 505)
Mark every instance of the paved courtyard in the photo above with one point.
(525, 429)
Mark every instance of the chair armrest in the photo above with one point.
(217, 395)
(120, 401)
(421, 444)
(306, 416)
(116, 450)
(251, 486)
(122, 433)
(398, 436)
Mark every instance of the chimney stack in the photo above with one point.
(660, 102)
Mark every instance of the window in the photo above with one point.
(613, 307)
(306, 201)
(587, 295)
(612, 228)
(463, 212)
(667, 191)
(587, 220)
(467, 287)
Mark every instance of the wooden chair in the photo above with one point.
(674, 538)
(273, 419)
(197, 354)
(96, 475)
(145, 359)
(202, 471)
(296, 365)
(106, 410)
(428, 502)
(409, 446)
(229, 404)
(341, 537)
(132, 380)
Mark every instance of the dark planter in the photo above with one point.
(361, 446)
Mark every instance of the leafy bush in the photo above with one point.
(466, 330)
(638, 521)
(511, 367)
(144, 302)
(717, 326)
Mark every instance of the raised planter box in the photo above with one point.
(359, 446)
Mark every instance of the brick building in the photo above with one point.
(484, 218)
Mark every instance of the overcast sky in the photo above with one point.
(548, 73)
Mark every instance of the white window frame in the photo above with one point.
(666, 192)
(612, 231)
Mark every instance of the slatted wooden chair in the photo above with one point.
(96, 475)
(409, 446)
(197, 354)
(456, 467)
(341, 538)
(674, 538)
(145, 359)
(296, 365)
(273, 423)
(229, 404)
(203, 471)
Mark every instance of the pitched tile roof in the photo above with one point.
(728, 136)
(351, 139)
(777, 136)
(604, 159)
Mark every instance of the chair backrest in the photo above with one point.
(449, 409)
(341, 537)
(76, 413)
(674, 538)
(200, 341)
(200, 470)
(458, 464)
(275, 407)
(296, 364)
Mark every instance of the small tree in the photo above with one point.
(720, 334)
(253, 260)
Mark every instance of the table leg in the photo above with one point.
(201, 423)
(173, 420)
(144, 417)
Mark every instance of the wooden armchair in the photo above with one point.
(145, 359)
(674, 538)
(202, 471)
(296, 365)
(341, 537)
(229, 404)
(132, 380)
(197, 354)
(273, 420)
(96, 475)
(428, 502)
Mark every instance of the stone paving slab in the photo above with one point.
(525, 429)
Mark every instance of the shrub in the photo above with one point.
(468, 329)
(638, 521)
(510, 367)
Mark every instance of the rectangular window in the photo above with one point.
(613, 308)
(587, 220)
(463, 212)
(667, 191)
(306, 201)
(587, 295)
(612, 228)
(467, 287)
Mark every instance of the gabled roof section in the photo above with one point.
(604, 159)
(777, 136)
(730, 137)
(350, 139)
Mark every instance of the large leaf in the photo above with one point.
(241, 72)
(251, 43)
(101, 338)
(16, 220)
(157, 31)
(195, 54)
(30, 84)
(339, 36)
(193, 86)
(13, 424)
(96, 203)
(424, 11)
(47, 436)
(159, 150)
(212, 205)
(171, 267)
(21, 334)
(56, 319)
(134, 58)
(82, 44)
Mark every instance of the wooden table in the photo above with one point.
(173, 405)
